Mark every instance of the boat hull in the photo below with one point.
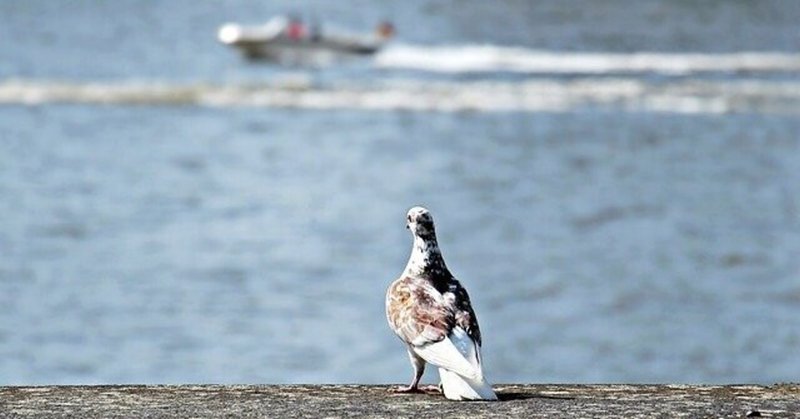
(263, 43)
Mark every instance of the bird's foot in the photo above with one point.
(416, 389)
(405, 389)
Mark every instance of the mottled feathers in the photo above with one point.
(431, 312)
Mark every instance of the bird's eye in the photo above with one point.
(408, 217)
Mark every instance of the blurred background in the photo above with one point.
(616, 183)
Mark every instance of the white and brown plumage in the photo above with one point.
(431, 313)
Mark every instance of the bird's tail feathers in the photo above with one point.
(459, 361)
(445, 354)
(456, 387)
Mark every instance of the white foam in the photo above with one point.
(490, 58)
(546, 95)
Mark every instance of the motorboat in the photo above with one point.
(282, 35)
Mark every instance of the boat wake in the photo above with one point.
(492, 59)
(537, 95)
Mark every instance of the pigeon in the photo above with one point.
(431, 313)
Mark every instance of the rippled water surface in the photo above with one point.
(620, 200)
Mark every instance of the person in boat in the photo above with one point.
(385, 30)
(315, 31)
(295, 29)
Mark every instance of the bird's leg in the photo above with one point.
(419, 368)
(432, 389)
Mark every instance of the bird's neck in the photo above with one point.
(426, 259)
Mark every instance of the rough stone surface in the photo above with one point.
(210, 401)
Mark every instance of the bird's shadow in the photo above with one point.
(510, 396)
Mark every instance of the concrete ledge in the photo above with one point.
(356, 400)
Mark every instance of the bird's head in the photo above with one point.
(420, 222)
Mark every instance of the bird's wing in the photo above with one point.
(417, 313)
(460, 351)
(464, 314)
(426, 320)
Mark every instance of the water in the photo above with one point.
(620, 200)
